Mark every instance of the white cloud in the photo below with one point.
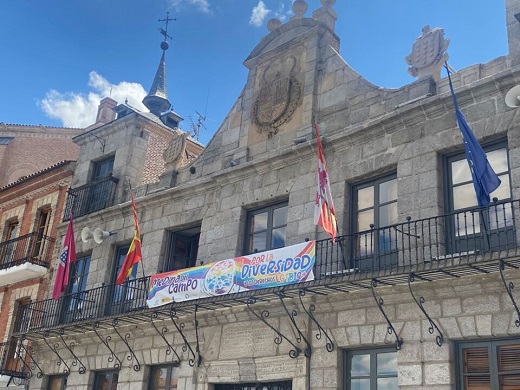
(282, 13)
(201, 5)
(76, 109)
(258, 14)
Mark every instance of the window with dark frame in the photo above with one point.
(102, 169)
(182, 251)
(472, 228)
(266, 228)
(488, 365)
(106, 380)
(78, 274)
(164, 377)
(124, 291)
(374, 215)
(57, 382)
(371, 369)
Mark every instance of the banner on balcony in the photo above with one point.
(279, 267)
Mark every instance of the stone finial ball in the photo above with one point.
(300, 7)
(328, 3)
(273, 24)
(164, 45)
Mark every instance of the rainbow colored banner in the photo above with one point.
(279, 267)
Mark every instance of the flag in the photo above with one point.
(485, 180)
(134, 252)
(67, 256)
(324, 212)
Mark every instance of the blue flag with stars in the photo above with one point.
(485, 180)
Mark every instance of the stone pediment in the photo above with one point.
(282, 35)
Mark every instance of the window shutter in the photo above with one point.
(476, 369)
(509, 366)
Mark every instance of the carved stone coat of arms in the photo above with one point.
(428, 53)
(280, 95)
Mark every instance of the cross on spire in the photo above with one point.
(164, 31)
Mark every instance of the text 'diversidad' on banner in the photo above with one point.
(278, 267)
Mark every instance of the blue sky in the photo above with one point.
(59, 57)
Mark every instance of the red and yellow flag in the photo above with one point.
(134, 252)
(324, 211)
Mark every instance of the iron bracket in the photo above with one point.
(29, 373)
(39, 374)
(439, 339)
(509, 288)
(161, 333)
(105, 341)
(197, 347)
(186, 346)
(380, 303)
(264, 314)
(54, 348)
(82, 369)
(310, 312)
(292, 315)
(137, 365)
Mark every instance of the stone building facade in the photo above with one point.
(416, 291)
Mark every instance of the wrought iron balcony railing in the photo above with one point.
(440, 243)
(89, 305)
(31, 248)
(91, 197)
(12, 359)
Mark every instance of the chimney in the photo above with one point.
(105, 110)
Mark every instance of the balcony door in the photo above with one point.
(77, 304)
(471, 228)
(41, 230)
(8, 247)
(129, 295)
(100, 191)
(375, 217)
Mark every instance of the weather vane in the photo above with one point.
(164, 31)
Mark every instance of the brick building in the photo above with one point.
(30, 211)
(238, 288)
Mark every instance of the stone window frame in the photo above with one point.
(269, 208)
(373, 376)
(170, 368)
(477, 347)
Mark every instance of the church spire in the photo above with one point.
(157, 99)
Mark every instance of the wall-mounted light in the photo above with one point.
(233, 163)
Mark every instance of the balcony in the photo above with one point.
(11, 360)
(446, 246)
(91, 197)
(24, 258)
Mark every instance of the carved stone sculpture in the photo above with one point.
(428, 54)
(174, 153)
(280, 95)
